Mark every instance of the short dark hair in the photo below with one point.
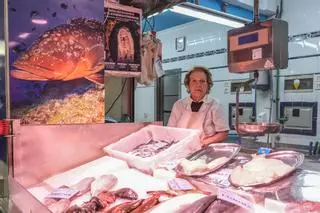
(197, 69)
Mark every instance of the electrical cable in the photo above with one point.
(114, 102)
(144, 25)
(153, 23)
(149, 24)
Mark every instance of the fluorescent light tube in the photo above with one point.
(207, 14)
(157, 13)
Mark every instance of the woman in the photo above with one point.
(198, 111)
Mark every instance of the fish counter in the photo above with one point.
(162, 169)
(98, 187)
(109, 185)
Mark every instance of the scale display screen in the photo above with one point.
(258, 46)
(246, 39)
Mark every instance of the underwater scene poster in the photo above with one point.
(56, 58)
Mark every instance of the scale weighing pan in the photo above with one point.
(209, 154)
(257, 129)
(291, 158)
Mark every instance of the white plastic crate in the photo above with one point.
(189, 141)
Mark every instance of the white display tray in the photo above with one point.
(138, 181)
(131, 178)
(94, 168)
(188, 143)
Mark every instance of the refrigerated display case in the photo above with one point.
(44, 157)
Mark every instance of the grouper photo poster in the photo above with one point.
(56, 56)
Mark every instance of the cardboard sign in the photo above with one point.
(63, 193)
(179, 184)
(231, 197)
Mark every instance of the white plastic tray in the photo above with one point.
(188, 143)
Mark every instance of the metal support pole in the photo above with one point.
(256, 11)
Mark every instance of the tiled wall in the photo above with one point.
(207, 48)
(303, 18)
(206, 40)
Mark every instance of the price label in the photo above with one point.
(169, 165)
(256, 54)
(63, 193)
(220, 178)
(231, 197)
(179, 184)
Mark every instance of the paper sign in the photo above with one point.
(256, 54)
(178, 184)
(169, 165)
(231, 197)
(268, 64)
(63, 193)
(221, 177)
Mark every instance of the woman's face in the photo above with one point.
(198, 85)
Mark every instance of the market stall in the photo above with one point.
(67, 181)
(147, 167)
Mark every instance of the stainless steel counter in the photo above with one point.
(301, 186)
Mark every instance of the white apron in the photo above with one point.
(195, 120)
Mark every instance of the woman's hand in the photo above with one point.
(218, 137)
(204, 140)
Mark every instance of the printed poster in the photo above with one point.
(56, 52)
(122, 31)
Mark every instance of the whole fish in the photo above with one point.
(126, 193)
(125, 207)
(200, 205)
(103, 184)
(66, 52)
(102, 201)
(59, 206)
(219, 206)
(83, 186)
(106, 198)
(147, 204)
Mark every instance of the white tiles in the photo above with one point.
(144, 104)
(302, 16)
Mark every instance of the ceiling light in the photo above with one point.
(157, 13)
(208, 14)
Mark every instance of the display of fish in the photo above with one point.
(98, 203)
(83, 186)
(147, 204)
(219, 206)
(198, 166)
(259, 170)
(151, 148)
(66, 52)
(125, 207)
(89, 207)
(49, 200)
(302, 207)
(103, 184)
(106, 198)
(59, 206)
(199, 206)
(177, 203)
(126, 193)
